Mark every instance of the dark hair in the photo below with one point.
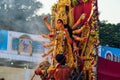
(60, 20)
(66, 26)
(60, 58)
(108, 54)
(69, 30)
(2, 79)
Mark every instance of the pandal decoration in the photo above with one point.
(82, 54)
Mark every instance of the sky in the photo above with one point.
(109, 9)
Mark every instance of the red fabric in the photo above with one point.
(62, 73)
(108, 70)
(82, 8)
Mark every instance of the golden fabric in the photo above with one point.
(63, 46)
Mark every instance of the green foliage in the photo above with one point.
(109, 34)
(19, 15)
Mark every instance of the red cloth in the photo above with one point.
(108, 70)
(62, 73)
(82, 8)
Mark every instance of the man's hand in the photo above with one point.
(44, 18)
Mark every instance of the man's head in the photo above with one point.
(60, 58)
(108, 56)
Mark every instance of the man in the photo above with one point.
(62, 71)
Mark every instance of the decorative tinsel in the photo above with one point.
(74, 2)
(84, 1)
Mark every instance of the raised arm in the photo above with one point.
(79, 20)
(78, 31)
(68, 36)
(47, 23)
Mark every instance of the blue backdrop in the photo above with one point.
(3, 39)
(114, 53)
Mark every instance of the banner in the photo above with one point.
(110, 53)
(108, 70)
(3, 39)
(21, 46)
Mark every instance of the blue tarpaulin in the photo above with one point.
(3, 39)
(110, 53)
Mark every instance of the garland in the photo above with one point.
(74, 2)
(84, 1)
(54, 6)
(77, 2)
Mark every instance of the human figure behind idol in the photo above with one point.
(62, 71)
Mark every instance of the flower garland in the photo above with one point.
(77, 2)
(54, 6)
(74, 2)
(84, 1)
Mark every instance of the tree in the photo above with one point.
(19, 15)
(109, 34)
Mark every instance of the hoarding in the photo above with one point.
(25, 44)
(21, 46)
(3, 39)
(110, 53)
